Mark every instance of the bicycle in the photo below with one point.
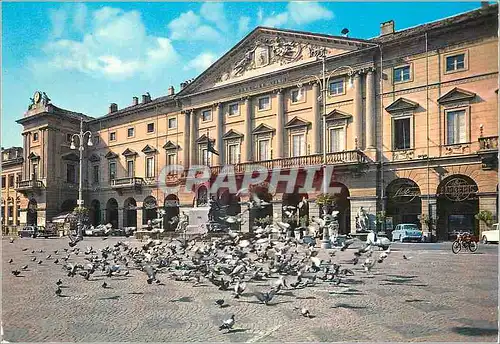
(465, 241)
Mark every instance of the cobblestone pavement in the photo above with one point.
(433, 296)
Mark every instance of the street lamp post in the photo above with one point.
(81, 137)
(324, 81)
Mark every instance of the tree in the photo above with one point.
(485, 216)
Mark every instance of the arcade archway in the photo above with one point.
(95, 212)
(261, 216)
(202, 196)
(149, 209)
(112, 212)
(130, 213)
(403, 203)
(31, 216)
(171, 217)
(457, 205)
(339, 202)
(295, 209)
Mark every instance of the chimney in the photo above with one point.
(135, 101)
(146, 98)
(113, 107)
(387, 28)
(183, 85)
(484, 4)
(171, 91)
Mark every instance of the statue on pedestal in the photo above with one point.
(362, 221)
(183, 222)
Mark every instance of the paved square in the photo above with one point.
(433, 296)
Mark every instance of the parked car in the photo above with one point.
(30, 231)
(408, 232)
(491, 235)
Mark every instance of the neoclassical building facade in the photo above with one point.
(408, 121)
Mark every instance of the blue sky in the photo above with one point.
(87, 55)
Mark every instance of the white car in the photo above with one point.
(491, 235)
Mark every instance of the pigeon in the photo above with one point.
(265, 298)
(11, 240)
(16, 272)
(25, 267)
(48, 257)
(104, 285)
(39, 262)
(59, 282)
(56, 261)
(24, 249)
(58, 291)
(220, 302)
(346, 244)
(239, 288)
(149, 270)
(304, 312)
(227, 324)
(405, 257)
(33, 259)
(10, 261)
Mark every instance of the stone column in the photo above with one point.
(192, 138)
(219, 159)
(370, 111)
(280, 119)
(42, 154)
(316, 124)
(248, 131)
(187, 139)
(120, 218)
(358, 110)
(139, 218)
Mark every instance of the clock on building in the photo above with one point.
(37, 97)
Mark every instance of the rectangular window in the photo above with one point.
(402, 133)
(112, 170)
(172, 123)
(264, 149)
(70, 173)
(296, 96)
(150, 167)
(233, 109)
(130, 168)
(4, 179)
(11, 181)
(19, 177)
(68, 137)
(204, 157)
(298, 145)
(95, 174)
(130, 132)
(112, 136)
(455, 62)
(151, 127)
(337, 87)
(337, 140)
(264, 103)
(456, 127)
(35, 137)
(233, 152)
(10, 214)
(206, 115)
(34, 171)
(402, 74)
(171, 158)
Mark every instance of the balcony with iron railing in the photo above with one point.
(29, 185)
(127, 183)
(337, 158)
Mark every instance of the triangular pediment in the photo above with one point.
(204, 139)
(297, 122)
(268, 50)
(70, 156)
(149, 150)
(111, 155)
(170, 145)
(129, 152)
(456, 95)
(402, 104)
(94, 158)
(33, 156)
(232, 134)
(263, 129)
(336, 114)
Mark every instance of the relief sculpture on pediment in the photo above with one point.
(269, 51)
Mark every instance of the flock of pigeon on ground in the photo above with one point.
(229, 263)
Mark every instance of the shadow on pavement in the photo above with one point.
(475, 331)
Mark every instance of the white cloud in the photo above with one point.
(214, 12)
(307, 12)
(184, 25)
(298, 13)
(201, 62)
(243, 25)
(117, 47)
(58, 20)
(260, 15)
(80, 17)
